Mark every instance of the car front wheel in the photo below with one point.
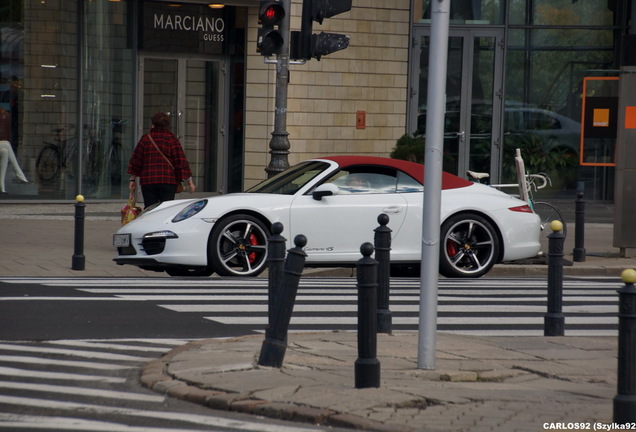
(238, 246)
(469, 247)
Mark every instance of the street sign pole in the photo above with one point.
(433, 183)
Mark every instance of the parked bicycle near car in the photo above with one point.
(528, 184)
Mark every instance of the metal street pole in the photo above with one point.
(433, 183)
(279, 144)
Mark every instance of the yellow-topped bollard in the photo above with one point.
(625, 399)
(554, 320)
(78, 261)
(629, 276)
(556, 225)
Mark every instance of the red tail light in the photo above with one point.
(521, 209)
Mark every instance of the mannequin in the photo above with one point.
(7, 156)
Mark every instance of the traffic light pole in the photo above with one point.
(279, 144)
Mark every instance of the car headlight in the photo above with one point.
(165, 234)
(190, 210)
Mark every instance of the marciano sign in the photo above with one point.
(183, 29)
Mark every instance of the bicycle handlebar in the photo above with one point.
(543, 177)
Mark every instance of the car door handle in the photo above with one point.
(393, 210)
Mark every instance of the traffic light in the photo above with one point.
(270, 40)
(304, 44)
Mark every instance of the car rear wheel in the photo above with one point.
(238, 246)
(469, 247)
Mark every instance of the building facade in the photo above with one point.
(80, 79)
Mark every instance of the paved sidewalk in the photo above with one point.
(39, 240)
(478, 383)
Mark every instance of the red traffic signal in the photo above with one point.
(271, 13)
(269, 39)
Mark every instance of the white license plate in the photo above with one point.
(121, 240)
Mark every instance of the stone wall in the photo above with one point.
(324, 96)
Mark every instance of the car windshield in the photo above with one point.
(290, 181)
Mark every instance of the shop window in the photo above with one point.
(561, 12)
(473, 12)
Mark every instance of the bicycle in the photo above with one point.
(527, 184)
(59, 157)
(113, 157)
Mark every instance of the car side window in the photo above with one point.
(371, 180)
(407, 184)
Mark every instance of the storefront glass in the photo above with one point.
(562, 12)
(550, 47)
(11, 83)
(108, 99)
(79, 81)
(471, 12)
(545, 68)
(67, 144)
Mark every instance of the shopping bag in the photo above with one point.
(130, 211)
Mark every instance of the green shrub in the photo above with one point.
(409, 148)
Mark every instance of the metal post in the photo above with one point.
(367, 366)
(80, 88)
(275, 343)
(275, 264)
(625, 399)
(436, 107)
(382, 243)
(578, 254)
(279, 144)
(78, 260)
(554, 321)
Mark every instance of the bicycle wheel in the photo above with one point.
(48, 163)
(114, 163)
(90, 176)
(548, 213)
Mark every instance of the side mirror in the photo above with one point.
(326, 189)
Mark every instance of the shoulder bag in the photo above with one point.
(179, 183)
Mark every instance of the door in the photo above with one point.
(337, 225)
(191, 92)
(474, 98)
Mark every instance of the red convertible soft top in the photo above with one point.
(415, 170)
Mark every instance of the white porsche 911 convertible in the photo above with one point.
(335, 202)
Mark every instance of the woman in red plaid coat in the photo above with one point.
(160, 166)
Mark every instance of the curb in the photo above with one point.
(521, 270)
(154, 376)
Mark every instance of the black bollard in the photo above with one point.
(275, 343)
(382, 243)
(78, 261)
(554, 321)
(625, 399)
(578, 254)
(367, 366)
(275, 264)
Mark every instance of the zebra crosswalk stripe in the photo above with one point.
(491, 306)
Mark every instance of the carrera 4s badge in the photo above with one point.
(323, 249)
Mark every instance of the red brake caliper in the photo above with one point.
(252, 255)
(451, 248)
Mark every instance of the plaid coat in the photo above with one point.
(151, 168)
